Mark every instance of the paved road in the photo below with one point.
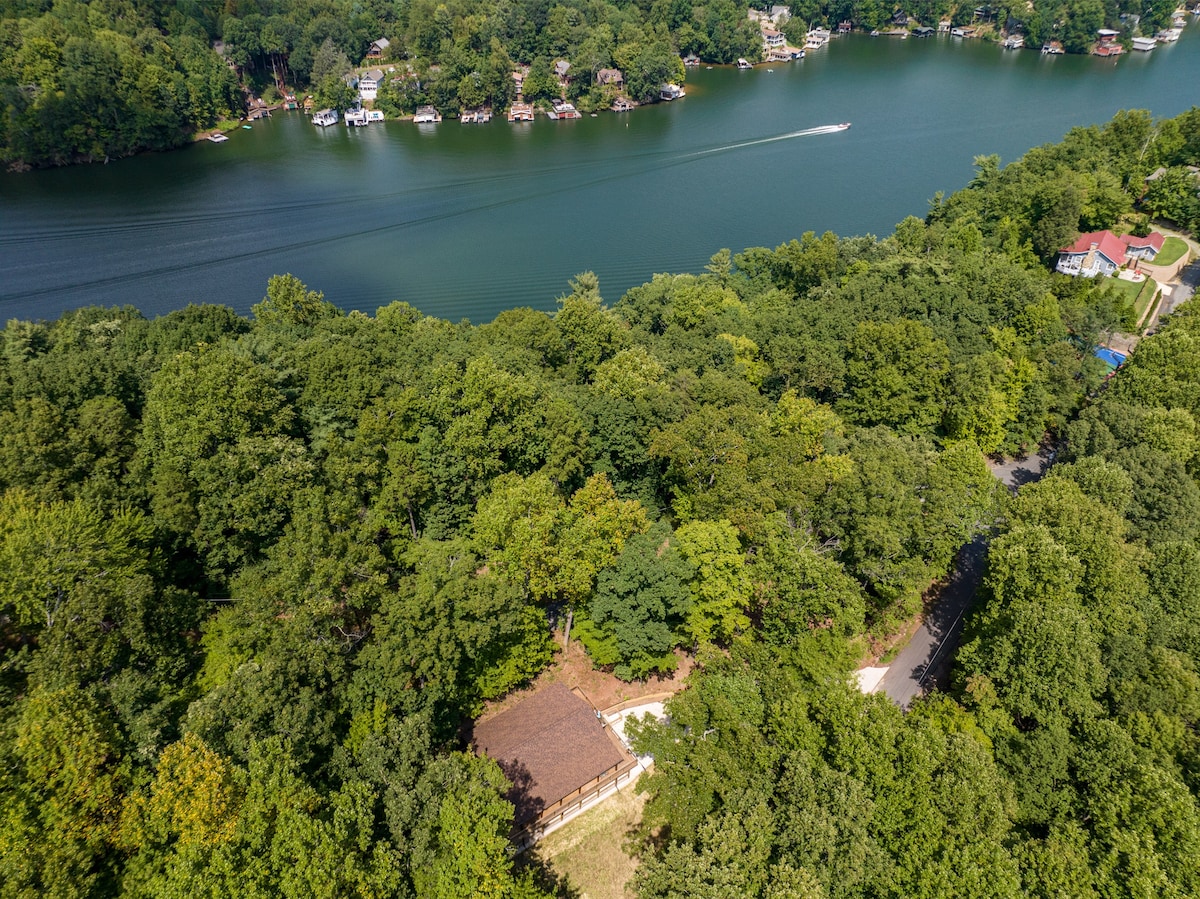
(1189, 280)
(925, 661)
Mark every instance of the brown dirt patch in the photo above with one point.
(573, 668)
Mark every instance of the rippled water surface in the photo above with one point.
(468, 220)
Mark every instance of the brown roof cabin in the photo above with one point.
(557, 752)
(611, 76)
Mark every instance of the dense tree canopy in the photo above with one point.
(257, 573)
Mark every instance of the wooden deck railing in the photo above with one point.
(556, 812)
(641, 700)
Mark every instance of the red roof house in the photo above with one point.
(1102, 253)
(1144, 247)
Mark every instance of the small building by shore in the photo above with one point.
(520, 112)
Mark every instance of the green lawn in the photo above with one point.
(591, 852)
(1173, 249)
(1146, 320)
(1138, 294)
(1144, 298)
(1128, 289)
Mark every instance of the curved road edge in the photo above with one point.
(925, 661)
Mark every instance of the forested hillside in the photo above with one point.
(255, 574)
(1066, 763)
(85, 81)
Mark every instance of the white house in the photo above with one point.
(368, 84)
(773, 38)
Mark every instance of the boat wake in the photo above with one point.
(807, 132)
(419, 207)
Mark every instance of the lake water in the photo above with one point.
(468, 220)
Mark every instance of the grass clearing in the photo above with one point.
(1143, 300)
(589, 852)
(1173, 250)
(1147, 319)
(1131, 292)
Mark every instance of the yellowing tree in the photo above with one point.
(721, 586)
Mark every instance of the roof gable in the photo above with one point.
(1153, 240)
(548, 745)
(1106, 243)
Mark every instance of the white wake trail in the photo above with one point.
(820, 129)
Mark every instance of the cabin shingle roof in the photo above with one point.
(549, 746)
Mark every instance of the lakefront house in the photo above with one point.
(368, 84)
(1103, 253)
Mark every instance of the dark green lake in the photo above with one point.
(468, 220)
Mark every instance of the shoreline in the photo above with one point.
(256, 112)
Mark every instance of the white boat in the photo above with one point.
(671, 92)
(844, 126)
(742, 64)
(325, 117)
